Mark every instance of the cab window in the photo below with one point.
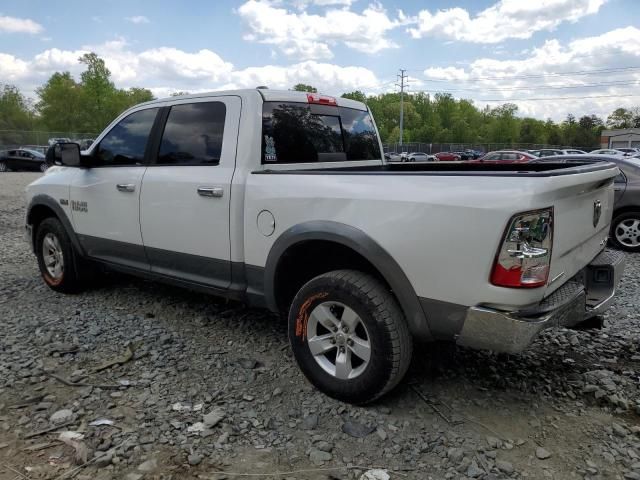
(126, 143)
(304, 133)
(193, 134)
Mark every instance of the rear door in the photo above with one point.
(184, 206)
(105, 198)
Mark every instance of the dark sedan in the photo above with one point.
(625, 227)
(22, 159)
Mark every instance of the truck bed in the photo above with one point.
(452, 169)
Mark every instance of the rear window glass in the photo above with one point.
(307, 133)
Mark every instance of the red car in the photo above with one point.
(505, 156)
(447, 157)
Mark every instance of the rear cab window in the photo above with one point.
(295, 132)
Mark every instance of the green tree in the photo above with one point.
(355, 95)
(301, 87)
(620, 118)
(99, 94)
(60, 103)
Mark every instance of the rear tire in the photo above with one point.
(43, 167)
(61, 269)
(3, 166)
(625, 231)
(349, 336)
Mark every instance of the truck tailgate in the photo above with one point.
(582, 217)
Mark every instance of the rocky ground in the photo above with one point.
(136, 380)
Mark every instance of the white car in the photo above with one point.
(283, 200)
(420, 157)
(607, 151)
(573, 151)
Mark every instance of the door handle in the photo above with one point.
(126, 187)
(210, 191)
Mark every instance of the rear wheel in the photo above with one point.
(43, 167)
(625, 231)
(349, 336)
(59, 266)
(3, 166)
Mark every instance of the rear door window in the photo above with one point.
(308, 133)
(193, 134)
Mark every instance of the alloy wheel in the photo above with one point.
(338, 340)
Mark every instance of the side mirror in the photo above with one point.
(67, 154)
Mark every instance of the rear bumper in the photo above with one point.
(588, 294)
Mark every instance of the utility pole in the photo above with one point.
(403, 83)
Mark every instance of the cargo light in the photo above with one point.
(524, 258)
(321, 99)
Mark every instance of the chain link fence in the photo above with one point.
(432, 148)
(39, 140)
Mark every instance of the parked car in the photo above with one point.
(505, 156)
(625, 226)
(22, 159)
(630, 151)
(607, 151)
(547, 152)
(53, 141)
(403, 156)
(470, 154)
(85, 143)
(420, 157)
(573, 151)
(263, 196)
(447, 157)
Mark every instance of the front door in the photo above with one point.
(105, 198)
(186, 191)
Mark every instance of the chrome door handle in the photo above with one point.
(126, 187)
(210, 191)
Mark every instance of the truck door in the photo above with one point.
(105, 198)
(184, 205)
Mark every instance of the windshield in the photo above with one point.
(306, 133)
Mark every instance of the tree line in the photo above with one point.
(90, 103)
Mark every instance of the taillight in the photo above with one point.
(524, 258)
(321, 99)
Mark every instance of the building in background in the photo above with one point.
(621, 138)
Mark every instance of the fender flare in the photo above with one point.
(361, 243)
(51, 203)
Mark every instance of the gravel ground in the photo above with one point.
(158, 382)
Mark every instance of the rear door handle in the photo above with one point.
(210, 191)
(126, 187)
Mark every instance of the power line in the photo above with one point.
(553, 87)
(542, 75)
(512, 100)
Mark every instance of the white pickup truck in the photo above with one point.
(283, 200)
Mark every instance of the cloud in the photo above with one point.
(166, 69)
(311, 36)
(506, 19)
(19, 25)
(138, 19)
(548, 72)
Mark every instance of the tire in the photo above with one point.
(3, 166)
(60, 267)
(44, 167)
(373, 318)
(625, 231)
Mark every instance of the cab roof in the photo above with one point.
(268, 96)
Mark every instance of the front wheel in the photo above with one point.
(59, 266)
(625, 231)
(349, 336)
(43, 167)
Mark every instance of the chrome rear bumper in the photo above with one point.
(588, 294)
